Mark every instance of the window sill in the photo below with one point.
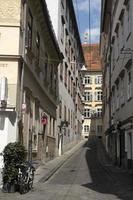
(61, 78)
(65, 85)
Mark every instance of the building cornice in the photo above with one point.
(10, 57)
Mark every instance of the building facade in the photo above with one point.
(29, 58)
(116, 56)
(92, 99)
(69, 113)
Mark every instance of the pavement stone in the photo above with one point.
(45, 171)
(119, 176)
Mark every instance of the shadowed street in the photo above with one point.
(86, 175)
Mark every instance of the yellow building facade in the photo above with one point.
(92, 99)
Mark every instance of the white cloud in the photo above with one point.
(95, 33)
(94, 5)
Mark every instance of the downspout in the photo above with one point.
(110, 121)
(22, 70)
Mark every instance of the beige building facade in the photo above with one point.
(92, 99)
(29, 59)
(69, 113)
(116, 55)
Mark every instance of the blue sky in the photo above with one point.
(82, 14)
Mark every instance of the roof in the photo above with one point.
(92, 57)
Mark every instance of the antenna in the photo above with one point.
(85, 38)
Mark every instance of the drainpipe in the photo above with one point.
(110, 63)
(23, 63)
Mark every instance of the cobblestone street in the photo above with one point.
(85, 175)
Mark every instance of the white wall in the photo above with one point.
(53, 11)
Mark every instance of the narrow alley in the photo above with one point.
(86, 175)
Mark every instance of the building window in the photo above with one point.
(60, 109)
(117, 97)
(62, 29)
(55, 82)
(87, 80)
(66, 74)
(99, 129)
(69, 115)
(117, 44)
(98, 80)
(51, 76)
(87, 112)
(98, 96)
(62, 3)
(88, 96)
(113, 58)
(117, 30)
(37, 47)
(70, 26)
(71, 119)
(67, 13)
(129, 85)
(122, 39)
(72, 87)
(61, 71)
(113, 101)
(128, 8)
(122, 96)
(45, 68)
(86, 129)
(99, 112)
(69, 81)
(65, 113)
(66, 42)
(29, 30)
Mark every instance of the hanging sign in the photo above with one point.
(44, 119)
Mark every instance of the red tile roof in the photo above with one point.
(92, 57)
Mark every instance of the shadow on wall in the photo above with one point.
(2, 123)
(10, 115)
(102, 182)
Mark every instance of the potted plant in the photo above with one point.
(14, 155)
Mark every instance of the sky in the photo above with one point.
(82, 15)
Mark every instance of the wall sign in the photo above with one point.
(44, 119)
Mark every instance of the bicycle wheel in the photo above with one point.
(23, 188)
(30, 184)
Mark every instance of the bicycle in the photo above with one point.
(25, 177)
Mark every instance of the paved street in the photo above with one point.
(86, 175)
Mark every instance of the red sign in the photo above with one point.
(44, 119)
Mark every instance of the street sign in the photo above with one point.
(44, 119)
